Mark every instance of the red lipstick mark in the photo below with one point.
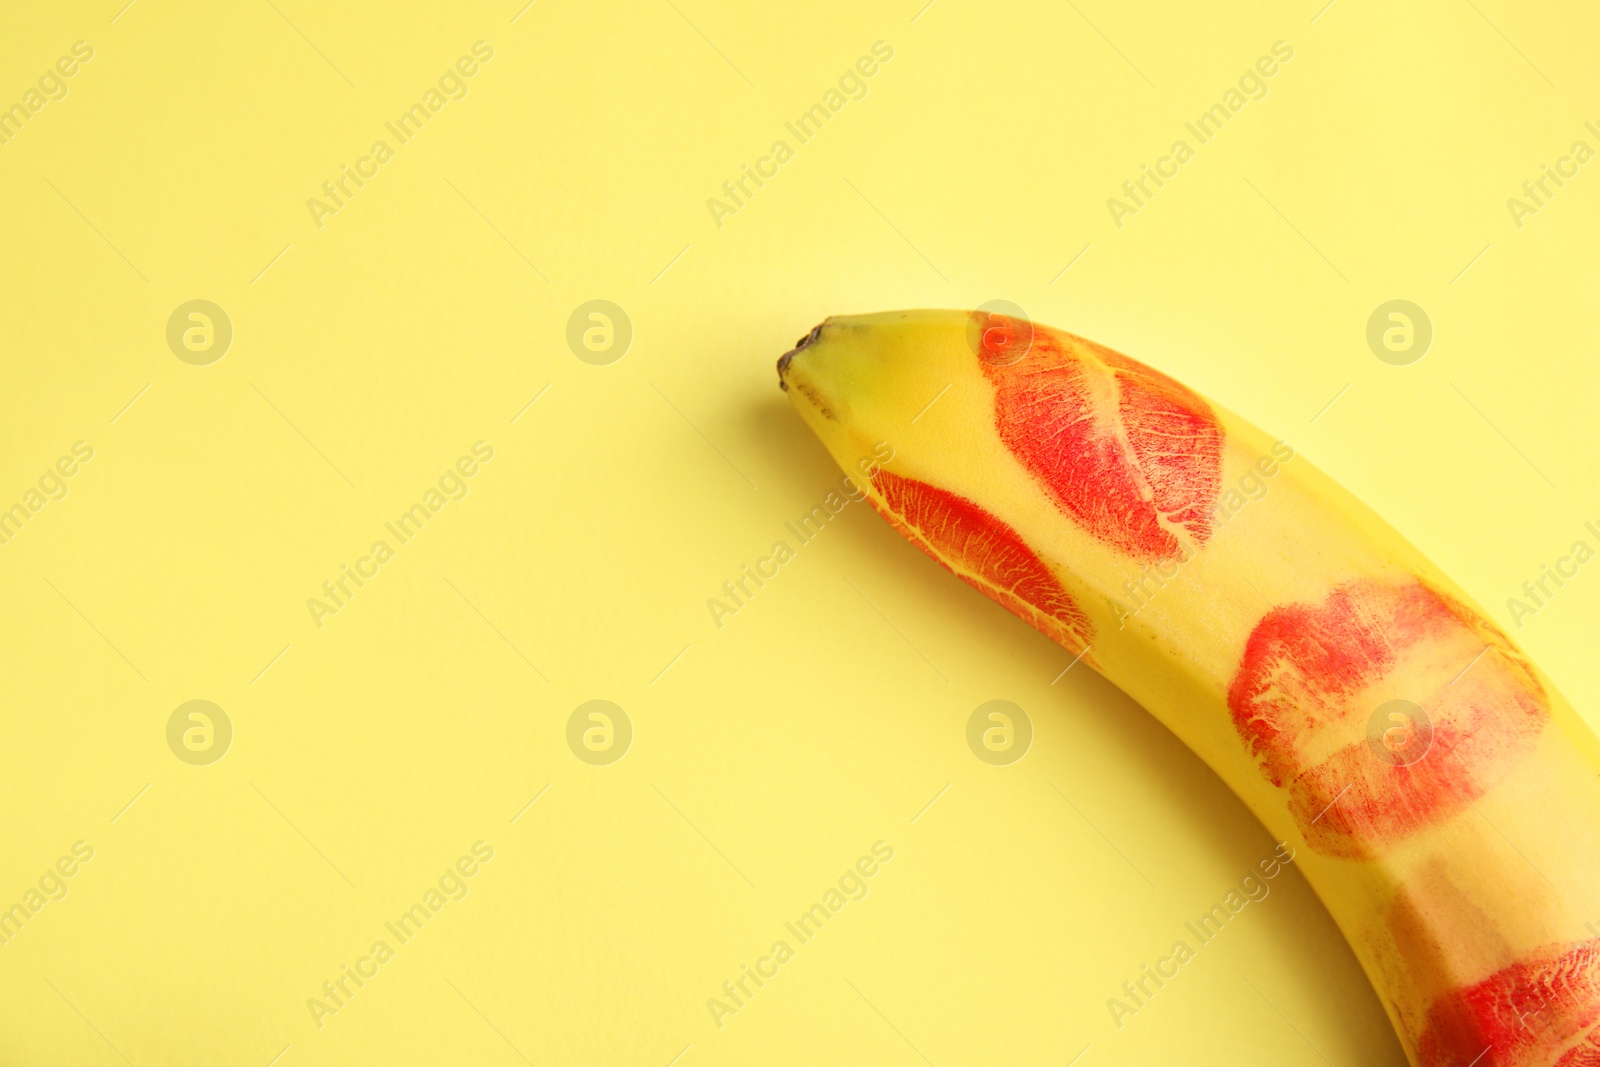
(1539, 1012)
(1312, 674)
(985, 553)
(1133, 456)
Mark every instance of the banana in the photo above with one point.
(1441, 797)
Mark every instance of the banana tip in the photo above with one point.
(799, 346)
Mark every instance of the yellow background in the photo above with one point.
(371, 752)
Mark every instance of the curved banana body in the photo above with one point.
(1442, 797)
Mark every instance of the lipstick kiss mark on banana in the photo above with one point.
(1312, 674)
(1542, 1009)
(983, 552)
(1130, 454)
